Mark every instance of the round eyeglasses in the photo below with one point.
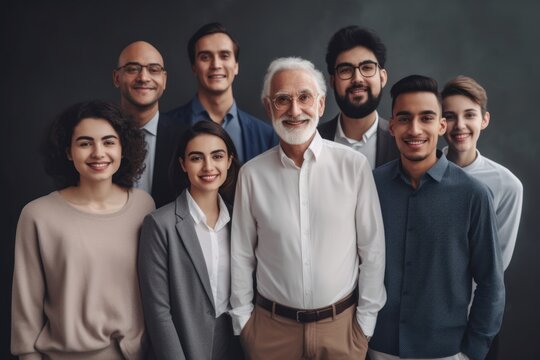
(346, 71)
(133, 68)
(284, 101)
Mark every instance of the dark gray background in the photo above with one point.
(55, 53)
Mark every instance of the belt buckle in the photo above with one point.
(298, 314)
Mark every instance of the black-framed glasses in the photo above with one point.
(282, 102)
(133, 68)
(345, 71)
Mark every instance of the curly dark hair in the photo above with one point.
(180, 179)
(58, 141)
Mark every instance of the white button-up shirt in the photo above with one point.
(367, 146)
(312, 234)
(215, 246)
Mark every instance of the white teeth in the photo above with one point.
(415, 142)
(98, 166)
(208, 177)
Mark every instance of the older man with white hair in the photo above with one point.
(307, 222)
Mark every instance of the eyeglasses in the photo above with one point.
(134, 68)
(284, 101)
(346, 71)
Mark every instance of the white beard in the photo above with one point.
(296, 136)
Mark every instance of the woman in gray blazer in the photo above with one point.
(184, 253)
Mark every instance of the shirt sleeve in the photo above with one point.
(508, 214)
(243, 243)
(27, 312)
(487, 308)
(154, 283)
(371, 250)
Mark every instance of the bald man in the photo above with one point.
(141, 77)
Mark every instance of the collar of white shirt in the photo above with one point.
(312, 152)
(198, 215)
(340, 135)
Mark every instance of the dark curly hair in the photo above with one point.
(180, 179)
(58, 142)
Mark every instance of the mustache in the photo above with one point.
(357, 87)
(300, 117)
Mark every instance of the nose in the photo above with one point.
(414, 127)
(357, 76)
(143, 75)
(216, 62)
(207, 164)
(460, 122)
(98, 151)
(294, 109)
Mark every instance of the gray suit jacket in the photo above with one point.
(175, 286)
(386, 145)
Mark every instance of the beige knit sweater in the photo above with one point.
(75, 287)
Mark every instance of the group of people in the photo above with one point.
(356, 237)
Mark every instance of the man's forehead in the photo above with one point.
(293, 81)
(140, 52)
(417, 102)
(216, 42)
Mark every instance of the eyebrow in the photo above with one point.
(425, 112)
(201, 153)
(84, 137)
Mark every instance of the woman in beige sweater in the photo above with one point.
(75, 288)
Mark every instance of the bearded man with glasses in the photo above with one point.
(355, 61)
(141, 78)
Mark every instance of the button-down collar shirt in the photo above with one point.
(215, 246)
(231, 123)
(439, 237)
(307, 231)
(366, 146)
(150, 136)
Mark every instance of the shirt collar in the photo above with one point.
(199, 217)
(313, 151)
(471, 165)
(199, 112)
(151, 126)
(365, 138)
(436, 172)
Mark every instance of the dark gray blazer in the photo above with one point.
(386, 145)
(175, 286)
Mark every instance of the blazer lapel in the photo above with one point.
(188, 236)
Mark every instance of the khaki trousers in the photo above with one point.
(267, 337)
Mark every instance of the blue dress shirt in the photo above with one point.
(231, 123)
(439, 237)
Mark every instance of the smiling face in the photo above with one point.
(140, 90)
(206, 162)
(416, 124)
(358, 96)
(295, 124)
(465, 122)
(215, 65)
(95, 150)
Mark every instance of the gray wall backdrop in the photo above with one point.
(55, 53)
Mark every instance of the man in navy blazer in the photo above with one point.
(213, 54)
(355, 61)
(141, 78)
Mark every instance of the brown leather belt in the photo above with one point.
(306, 316)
